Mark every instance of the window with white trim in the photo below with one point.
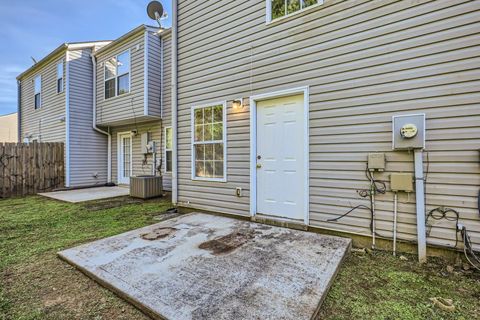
(281, 8)
(117, 75)
(208, 143)
(60, 77)
(168, 149)
(37, 86)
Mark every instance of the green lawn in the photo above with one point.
(35, 284)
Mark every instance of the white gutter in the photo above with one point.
(67, 119)
(174, 101)
(94, 124)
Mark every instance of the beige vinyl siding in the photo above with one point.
(9, 128)
(138, 168)
(126, 107)
(154, 71)
(364, 61)
(48, 122)
(88, 148)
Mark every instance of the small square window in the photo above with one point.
(281, 8)
(37, 89)
(60, 77)
(168, 149)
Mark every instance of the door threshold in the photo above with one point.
(280, 222)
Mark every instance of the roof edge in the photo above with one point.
(60, 48)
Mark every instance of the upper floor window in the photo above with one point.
(60, 77)
(281, 8)
(37, 89)
(168, 149)
(209, 143)
(117, 75)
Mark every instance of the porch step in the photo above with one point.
(280, 222)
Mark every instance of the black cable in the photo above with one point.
(468, 249)
(348, 212)
(441, 213)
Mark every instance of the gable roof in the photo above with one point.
(60, 48)
(141, 27)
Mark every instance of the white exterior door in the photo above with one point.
(124, 157)
(280, 163)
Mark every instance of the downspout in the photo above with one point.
(19, 110)
(174, 101)
(94, 124)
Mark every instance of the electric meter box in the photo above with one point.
(408, 132)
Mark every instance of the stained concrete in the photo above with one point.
(88, 194)
(201, 266)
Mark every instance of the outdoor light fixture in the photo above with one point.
(237, 104)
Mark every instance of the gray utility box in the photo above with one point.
(408, 132)
(146, 187)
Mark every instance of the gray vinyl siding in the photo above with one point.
(364, 61)
(154, 74)
(126, 107)
(138, 168)
(166, 110)
(48, 121)
(88, 148)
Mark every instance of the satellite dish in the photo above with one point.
(155, 11)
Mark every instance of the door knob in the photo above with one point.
(259, 165)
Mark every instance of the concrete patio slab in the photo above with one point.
(87, 194)
(200, 266)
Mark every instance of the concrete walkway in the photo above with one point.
(201, 266)
(87, 194)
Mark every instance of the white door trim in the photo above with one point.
(253, 145)
(119, 156)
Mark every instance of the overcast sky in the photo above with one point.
(36, 27)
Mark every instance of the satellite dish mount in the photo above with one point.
(156, 12)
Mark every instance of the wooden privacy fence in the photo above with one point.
(30, 168)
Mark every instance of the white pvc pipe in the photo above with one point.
(420, 205)
(94, 124)
(372, 193)
(174, 101)
(395, 203)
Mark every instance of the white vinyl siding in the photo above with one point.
(126, 108)
(139, 165)
(47, 123)
(364, 61)
(208, 142)
(88, 148)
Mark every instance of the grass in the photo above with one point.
(35, 284)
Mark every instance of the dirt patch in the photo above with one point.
(158, 233)
(111, 203)
(227, 243)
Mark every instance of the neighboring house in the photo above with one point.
(9, 127)
(57, 105)
(130, 100)
(325, 80)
